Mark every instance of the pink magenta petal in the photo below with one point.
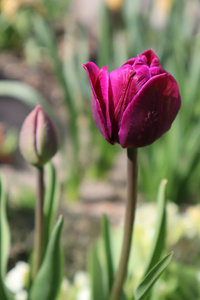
(120, 80)
(93, 73)
(151, 112)
(129, 62)
(99, 81)
(150, 55)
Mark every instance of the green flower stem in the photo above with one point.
(128, 224)
(39, 223)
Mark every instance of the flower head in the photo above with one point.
(135, 104)
(38, 137)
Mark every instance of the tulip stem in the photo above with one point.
(39, 223)
(128, 223)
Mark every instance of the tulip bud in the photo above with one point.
(38, 137)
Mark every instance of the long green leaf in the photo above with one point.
(160, 230)
(148, 282)
(107, 249)
(4, 244)
(5, 232)
(96, 276)
(52, 193)
(47, 282)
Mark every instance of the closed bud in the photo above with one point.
(38, 137)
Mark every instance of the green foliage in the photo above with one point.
(180, 282)
(96, 274)
(48, 280)
(176, 42)
(47, 39)
(5, 294)
(148, 282)
(4, 243)
(52, 194)
(158, 242)
(106, 233)
(105, 255)
(4, 230)
(24, 93)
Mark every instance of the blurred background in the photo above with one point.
(43, 45)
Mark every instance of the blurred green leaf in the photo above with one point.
(52, 193)
(107, 248)
(24, 93)
(96, 275)
(148, 282)
(160, 230)
(48, 280)
(106, 39)
(4, 243)
(5, 294)
(5, 232)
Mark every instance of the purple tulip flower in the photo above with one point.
(135, 104)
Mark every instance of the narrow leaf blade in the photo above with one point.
(97, 287)
(148, 282)
(107, 249)
(52, 193)
(47, 282)
(5, 232)
(159, 236)
(5, 294)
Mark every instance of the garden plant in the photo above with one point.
(148, 107)
(134, 105)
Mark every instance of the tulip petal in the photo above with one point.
(27, 138)
(150, 55)
(151, 112)
(120, 80)
(129, 62)
(99, 81)
(46, 136)
(93, 72)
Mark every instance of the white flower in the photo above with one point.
(16, 278)
(23, 295)
(84, 294)
(81, 279)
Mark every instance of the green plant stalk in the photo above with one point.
(39, 223)
(128, 223)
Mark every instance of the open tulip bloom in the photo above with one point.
(133, 106)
